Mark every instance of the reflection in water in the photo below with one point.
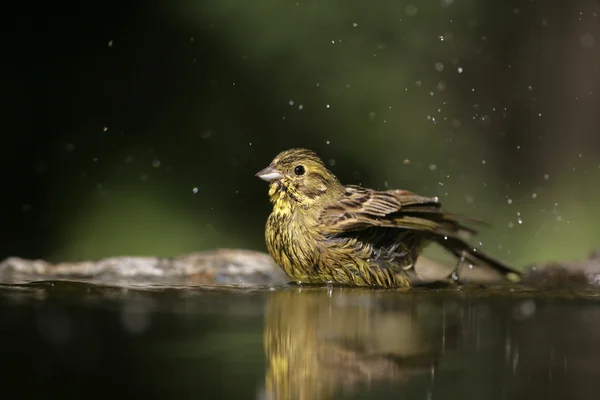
(320, 341)
(467, 344)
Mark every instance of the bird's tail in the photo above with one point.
(448, 230)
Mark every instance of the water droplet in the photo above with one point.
(300, 107)
(485, 120)
(411, 10)
(460, 70)
(509, 201)
(355, 25)
(524, 310)
(291, 102)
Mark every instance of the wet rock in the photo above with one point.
(217, 267)
(565, 274)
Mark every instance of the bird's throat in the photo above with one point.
(282, 203)
(285, 200)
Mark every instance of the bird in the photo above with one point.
(323, 232)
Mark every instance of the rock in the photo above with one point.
(217, 267)
(565, 274)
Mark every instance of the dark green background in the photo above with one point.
(114, 111)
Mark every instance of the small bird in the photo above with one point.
(321, 231)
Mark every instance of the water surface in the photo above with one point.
(79, 339)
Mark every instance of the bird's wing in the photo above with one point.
(361, 208)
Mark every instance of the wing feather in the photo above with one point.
(361, 208)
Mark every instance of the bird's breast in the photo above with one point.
(291, 243)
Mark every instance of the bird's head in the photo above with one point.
(299, 175)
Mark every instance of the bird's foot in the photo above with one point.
(455, 274)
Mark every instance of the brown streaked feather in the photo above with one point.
(360, 208)
(364, 209)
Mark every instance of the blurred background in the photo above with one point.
(136, 127)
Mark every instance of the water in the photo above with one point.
(78, 339)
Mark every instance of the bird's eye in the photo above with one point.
(299, 170)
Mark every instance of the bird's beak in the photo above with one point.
(269, 174)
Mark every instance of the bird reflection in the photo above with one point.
(321, 341)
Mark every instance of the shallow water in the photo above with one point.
(78, 339)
